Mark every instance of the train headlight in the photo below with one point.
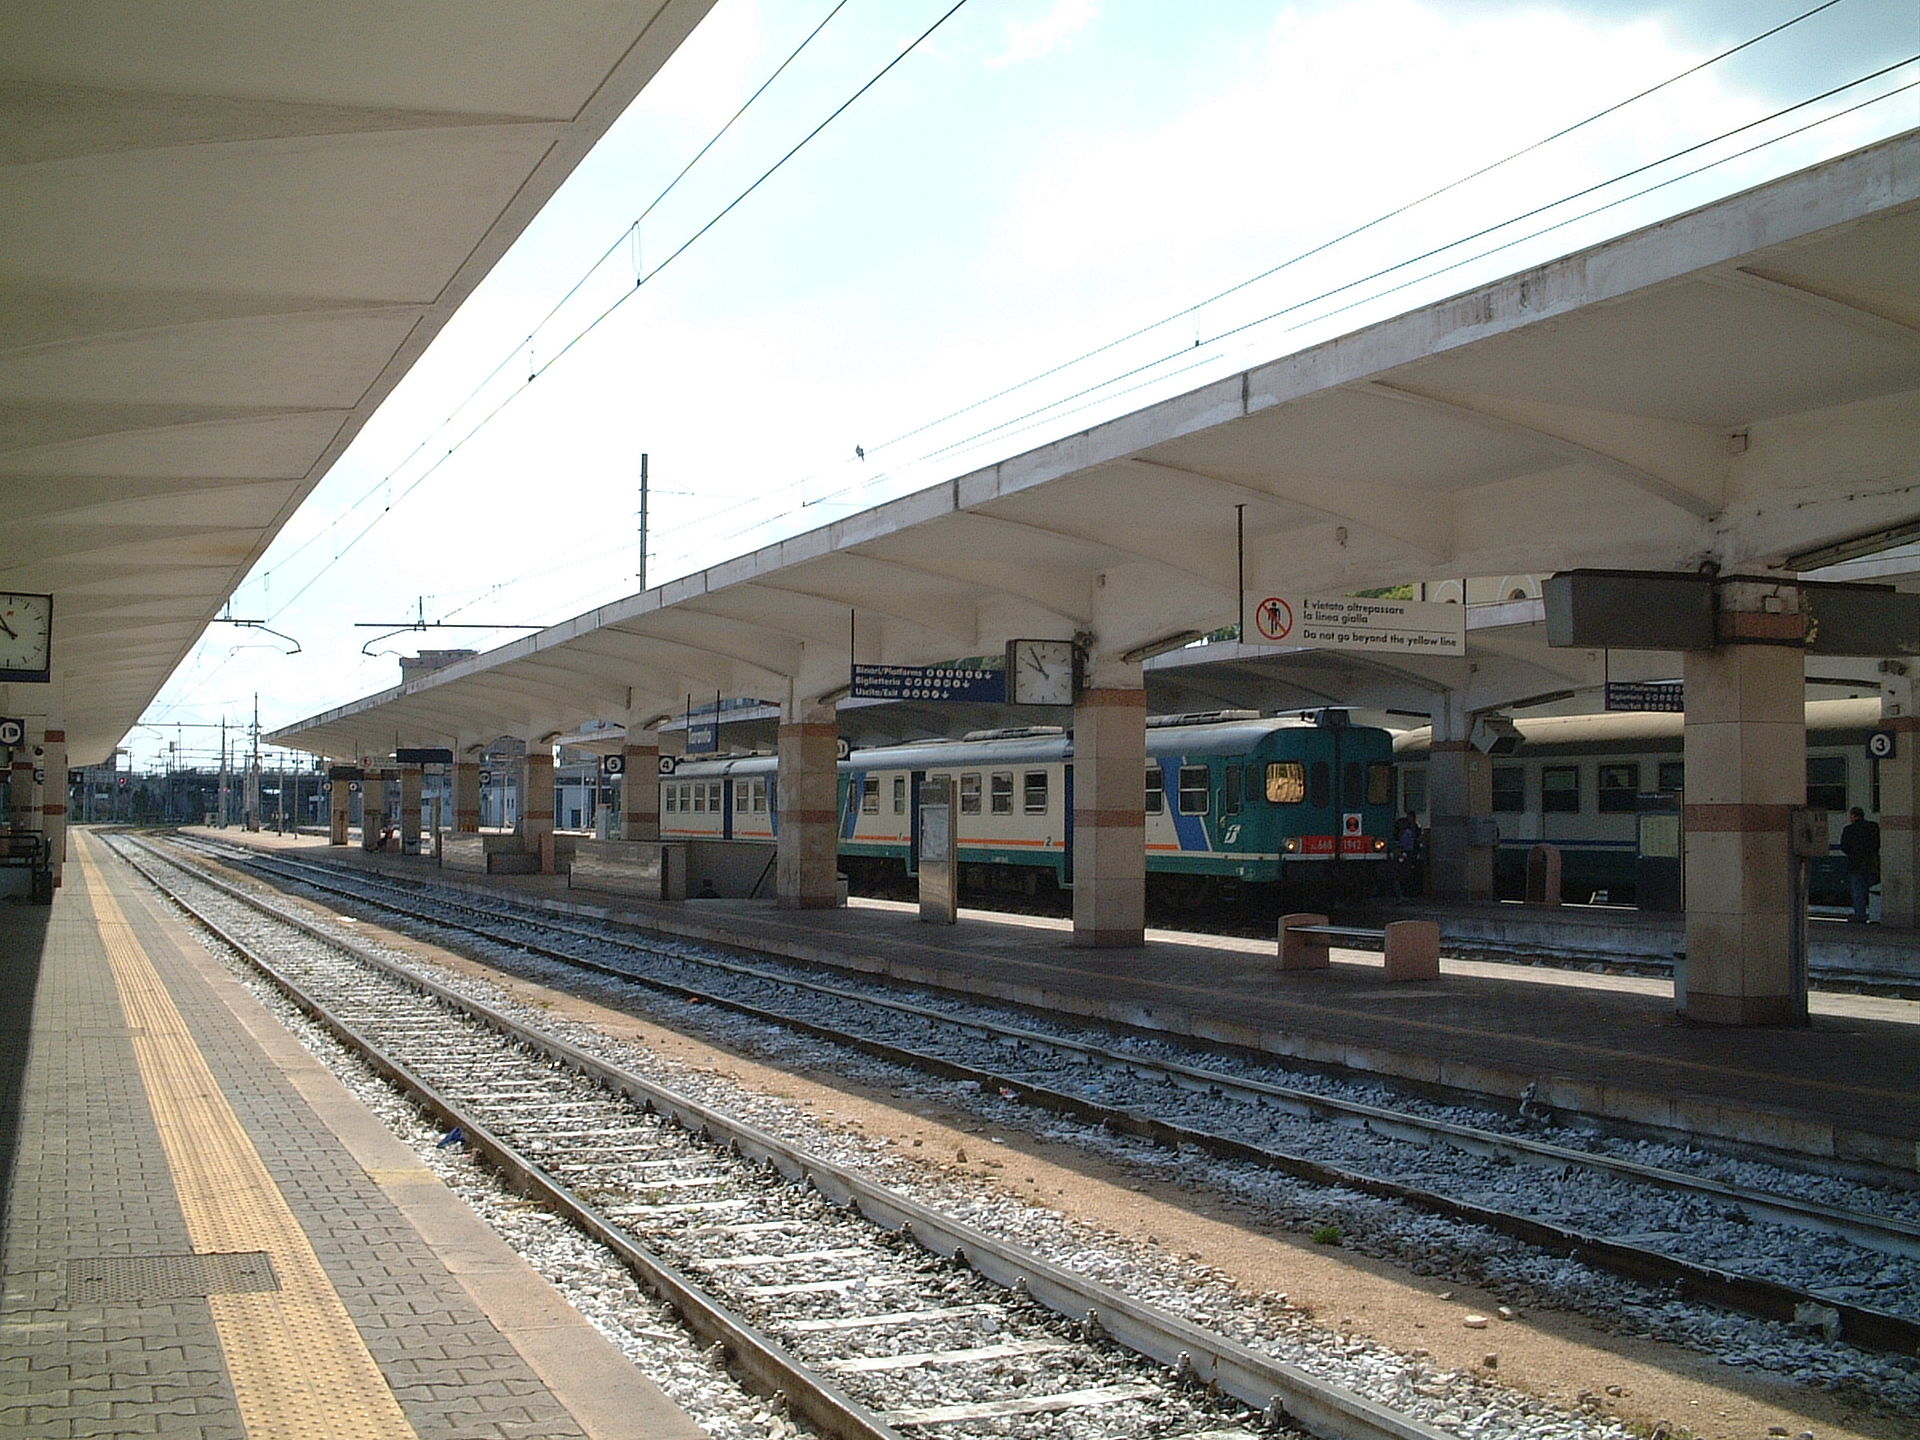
(1292, 847)
(1379, 844)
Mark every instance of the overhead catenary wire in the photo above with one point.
(1428, 254)
(1357, 230)
(523, 346)
(595, 323)
(535, 371)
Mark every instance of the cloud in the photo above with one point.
(1034, 40)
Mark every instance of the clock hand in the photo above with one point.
(12, 634)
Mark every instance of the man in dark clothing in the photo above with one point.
(1860, 843)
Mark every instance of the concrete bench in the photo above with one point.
(1412, 946)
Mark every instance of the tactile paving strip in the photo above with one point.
(136, 1279)
(299, 1367)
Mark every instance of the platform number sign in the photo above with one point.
(613, 766)
(1881, 745)
(13, 733)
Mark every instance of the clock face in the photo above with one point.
(1042, 672)
(26, 631)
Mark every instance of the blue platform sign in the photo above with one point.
(703, 736)
(1630, 695)
(929, 682)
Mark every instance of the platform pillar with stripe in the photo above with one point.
(640, 785)
(537, 802)
(1109, 816)
(807, 847)
(1745, 744)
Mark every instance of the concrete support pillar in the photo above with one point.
(640, 786)
(250, 797)
(53, 800)
(409, 806)
(537, 802)
(1899, 815)
(339, 811)
(1460, 840)
(1746, 757)
(466, 797)
(1109, 814)
(807, 848)
(23, 801)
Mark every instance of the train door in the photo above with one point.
(915, 779)
(1066, 825)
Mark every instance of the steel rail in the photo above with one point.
(1862, 1325)
(1278, 1390)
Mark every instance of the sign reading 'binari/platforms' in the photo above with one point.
(1348, 622)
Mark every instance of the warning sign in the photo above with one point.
(1273, 618)
(1352, 622)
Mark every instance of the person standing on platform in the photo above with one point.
(1406, 857)
(1860, 843)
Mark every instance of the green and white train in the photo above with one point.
(1233, 800)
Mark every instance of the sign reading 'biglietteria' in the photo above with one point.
(1348, 622)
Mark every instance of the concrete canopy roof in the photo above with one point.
(1737, 385)
(227, 229)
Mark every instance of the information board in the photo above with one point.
(928, 682)
(1347, 622)
(1667, 697)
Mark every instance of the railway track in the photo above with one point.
(874, 1317)
(1465, 1172)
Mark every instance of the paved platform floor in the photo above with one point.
(1847, 1086)
(205, 1235)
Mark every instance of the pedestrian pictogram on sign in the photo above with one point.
(1273, 618)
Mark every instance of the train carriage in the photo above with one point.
(1577, 781)
(1232, 800)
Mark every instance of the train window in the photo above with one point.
(1673, 775)
(1286, 782)
(715, 801)
(699, 799)
(1000, 792)
(1509, 789)
(1827, 782)
(670, 799)
(869, 794)
(899, 794)
(970, 794)
(1350, 787)
(1035, 799)
(1196, 786)
(1413, 790)
(740, 789)
(1379, 783)
(759, 797)
(1560, 789)
(1156, 791)
(1232, 781)
(1619, 788)
(1320, 785)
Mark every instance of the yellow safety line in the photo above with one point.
(298, 1365)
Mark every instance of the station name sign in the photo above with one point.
(1348, 622)
(418, 755)
(929, 682)
(703, 736)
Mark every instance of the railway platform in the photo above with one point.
(1845, 1088)
(206, 1235)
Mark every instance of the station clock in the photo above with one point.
(26, 637)
(1042, 672)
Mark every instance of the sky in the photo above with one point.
(1123, 198)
